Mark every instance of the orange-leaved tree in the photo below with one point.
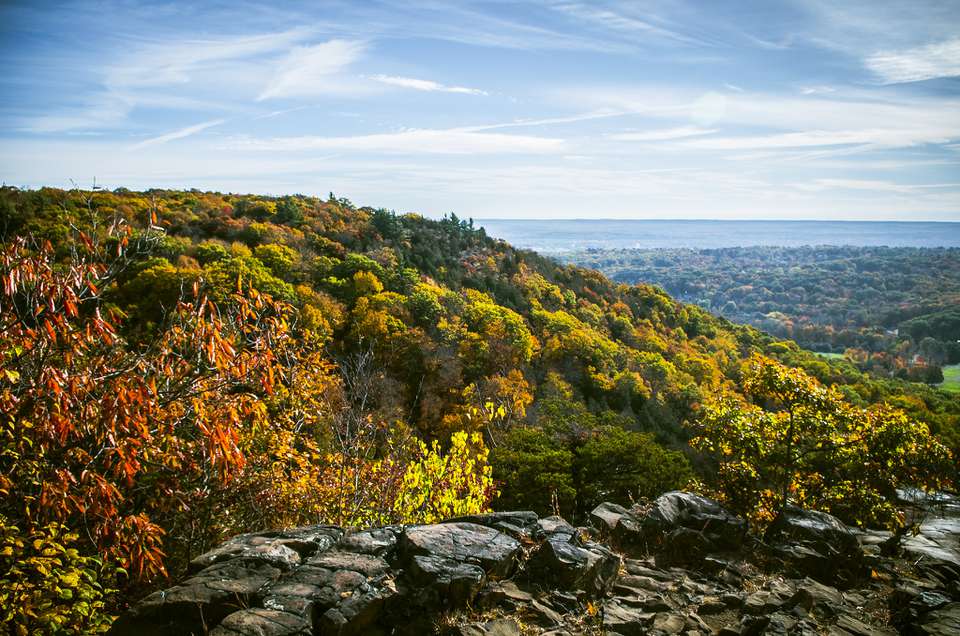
(103, 441)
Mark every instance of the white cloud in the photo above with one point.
(815, 90)
(665, 134)
(452, 141)
(873, 185)
(425, 85)
(312, 70)
(178, 134)
(932, 61)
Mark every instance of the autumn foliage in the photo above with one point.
(179, 367)
(795, 440)
(119, 458)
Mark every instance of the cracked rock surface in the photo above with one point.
(681, 565)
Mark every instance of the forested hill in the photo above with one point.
(186, 365)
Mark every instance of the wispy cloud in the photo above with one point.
(551, 121)
(310, 70)
(173, 62)
(879, 138)
(453, 141)
(874, 185)
(941, 59)
(666, 134)
(618, 19)
(178, 134)
(425, 85)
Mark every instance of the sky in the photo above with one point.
(813, 109)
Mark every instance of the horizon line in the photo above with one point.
(705, 220)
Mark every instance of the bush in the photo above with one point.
(47, 586)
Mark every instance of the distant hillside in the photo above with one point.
(892, 306)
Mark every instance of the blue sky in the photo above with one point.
(546, 109)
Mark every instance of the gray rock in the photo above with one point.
(262, 622)
(606, 516)
(669, 623)
(812, 595)
(357, 614)
(940, 622)
(682, 526)
(282, 549)
(445, 583)
(498, 627)
(311, 589)
(366, 564)
(818, 545)
(711, 605)
(504, 593)
(626, 620)
(761, 603)
(199, 602)
(562, 562)
(847, 625)
(542, 615)
(516, 524)
(378, 542)
(493, 551)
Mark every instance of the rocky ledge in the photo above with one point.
(682, 565)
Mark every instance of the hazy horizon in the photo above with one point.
(661, 109)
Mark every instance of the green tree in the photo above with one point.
(623, 466)
(534, 472)
(796, 440)
(279, 258)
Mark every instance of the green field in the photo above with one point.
(831, 356)
(951, 377)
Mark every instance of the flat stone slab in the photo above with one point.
(465, 542)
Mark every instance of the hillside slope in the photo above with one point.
(183, 366)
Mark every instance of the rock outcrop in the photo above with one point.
(682, 565)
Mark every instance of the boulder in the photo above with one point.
(517, 524)
(681, 527)
(282, 549)
(817, 545)
(497, 627)
(358, 613)
(311, 590)
(444, 583)
(814, 596)
(562, 561)
(606, 516)
(366, 564)
(199, 602)
(621, 618)
(494, 552)
(378, 542)
(262, 622)
(940, 622)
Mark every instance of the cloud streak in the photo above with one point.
(178, 134)
(425, 85)
(454, 141)
(666, 134)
